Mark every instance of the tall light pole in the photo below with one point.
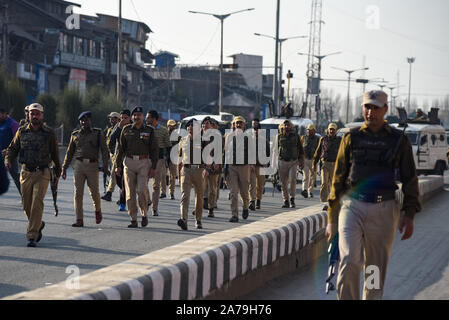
(319, 57)
(410, 61)
(278, 70)
(349, 72)
(221, 17)
(391, 99)
(119, 54)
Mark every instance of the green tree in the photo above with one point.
(12, 95)
(70, 106)
(100, 104)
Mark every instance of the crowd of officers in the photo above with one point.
(135, 148)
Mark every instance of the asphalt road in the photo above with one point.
(97, 246)
(418, 269)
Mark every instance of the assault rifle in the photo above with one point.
(54, 189)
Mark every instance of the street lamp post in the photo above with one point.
(221, 17)
(410, 61)
(278, 70)
(319, 57)
(349, 72)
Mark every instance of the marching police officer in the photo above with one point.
(309, 143)
(171, 126)
(238, 172)
(363, 186)
(114, 118)
(291, 155)
(85, 144)
(27, 117)
(257, 180)
(163, 138)
(326, 152)
(137, 144)
(191, 173)
(37, 146)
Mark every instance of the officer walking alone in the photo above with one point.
(137, 144)
(326, 153)
(291, 155)
(364, 187)
(37, 146)
(85, 145)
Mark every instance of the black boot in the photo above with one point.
(252, 206)
(292, 202)
(107, 196)
(206, 203)
(286, 204)
(211, 213)
(257, 204)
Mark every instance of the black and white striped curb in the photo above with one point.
(202, 274)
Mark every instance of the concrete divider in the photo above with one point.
(222, 265)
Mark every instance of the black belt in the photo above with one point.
(373, 198)
(34, 168)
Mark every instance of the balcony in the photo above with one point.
(82, 62)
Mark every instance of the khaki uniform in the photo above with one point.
(83, 148)
(326, 152)
(36, 149)
(309, 176)
(172, 168)
(369, 214)
(256, 180)
(291, 153)
(113, 180)
(191, 175)
(137, 152)
(161, 170)
(238, 175)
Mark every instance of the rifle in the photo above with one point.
(334, 257)
(105, 178)
(54, 189)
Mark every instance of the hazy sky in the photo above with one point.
(383, 33)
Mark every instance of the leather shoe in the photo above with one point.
(162, 196)
(286, 204)
(98, 217)
(245, 214)
(252, 206)
(144, 221)
(133, 224)
(292, 203)
(234, 219)
(258, 204)
(40, 232)
(107, 196)
(183, 224)
(78, 224)
(31, 243)
(211, 213)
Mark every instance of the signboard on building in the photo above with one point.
(41, 79)
(77, 80)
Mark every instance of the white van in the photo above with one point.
(299, 123)
(429, 145)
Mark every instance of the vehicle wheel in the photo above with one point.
(439, 169)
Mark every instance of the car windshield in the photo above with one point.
(413, 136)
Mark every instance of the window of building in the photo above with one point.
(102, 50)
(93, 48)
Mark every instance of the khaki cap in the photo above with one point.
(35, 106)
(171, 123)
(310, 127)
(238, 118)
(114, 115)
(375, 97)
(332, 126)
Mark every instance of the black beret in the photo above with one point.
(85, 114)
(137, 109)
(126, 111)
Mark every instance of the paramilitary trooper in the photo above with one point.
(238, 171)
(172, 168)
(291, 155)
(85, 145)
(37, 146)
(113, 118)
(326, 154)
(138, 143)
(362, 204)
(191, 172)
(26, 120)
(257, 180)
(163, 138)
(309, 143)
